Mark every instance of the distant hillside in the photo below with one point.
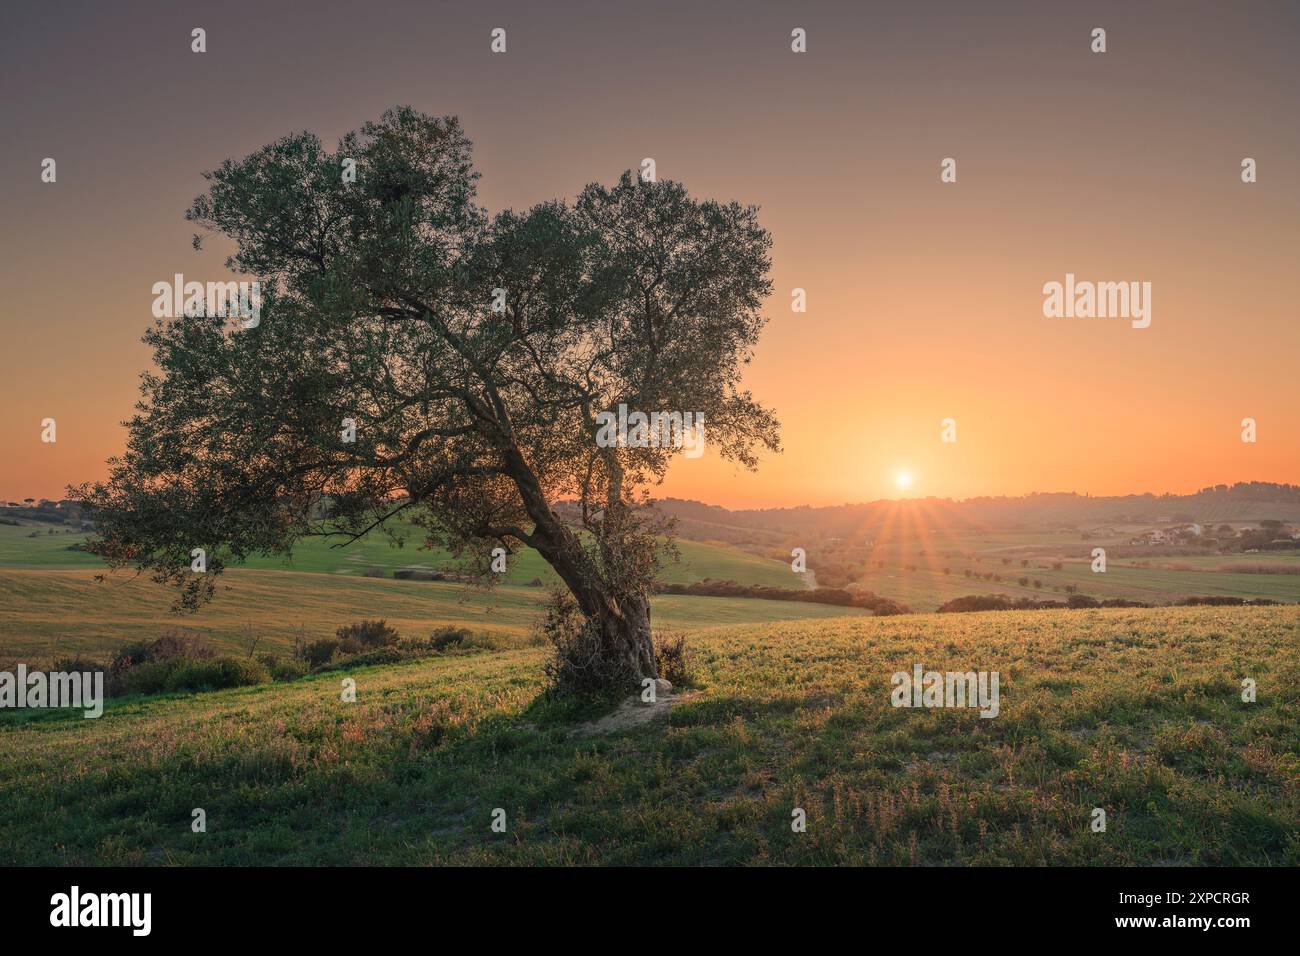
(1243, 502)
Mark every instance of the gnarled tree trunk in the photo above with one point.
(627, 635)
(622, 619)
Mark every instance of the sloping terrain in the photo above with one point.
(1137, 712)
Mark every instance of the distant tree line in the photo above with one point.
(836, 596)
(1001, 602)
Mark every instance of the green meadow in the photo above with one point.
(1137, 712)
(32, 546)
(924, 572)
(924, 588)
(52, 613)
(55, 606)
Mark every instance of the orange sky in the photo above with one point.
(924, 299)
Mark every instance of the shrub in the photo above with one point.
(479, 642)
(836, 596)
(674, 659)
(282, 669)
(147, 678)
(128, 656)
(362, 634)
(143, 667)
(317, 653)
(1226, 601)
(883, 607)
(449, 636)
(216, 673)
(994, 602)
(380, 655)
(76, 663)
(578, 668)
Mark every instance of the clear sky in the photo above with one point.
(924, 298)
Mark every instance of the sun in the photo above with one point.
(903, 479)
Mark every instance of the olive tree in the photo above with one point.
(417, 357)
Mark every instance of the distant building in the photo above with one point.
(1155, 536)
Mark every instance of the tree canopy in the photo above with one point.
(472, 354)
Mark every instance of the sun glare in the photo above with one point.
(903, 479)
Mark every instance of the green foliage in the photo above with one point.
(284, 668)
(475, 409)
(365, 634)
(579, 666)
(380, 655)
(316, 653)
(146, 678)
(216, 673)
(675, 659)
(449, 636)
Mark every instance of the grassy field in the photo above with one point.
(51, 613)
(914, 570)
(54, 607)
(32, 546)
(1134, 711)
(927, 588)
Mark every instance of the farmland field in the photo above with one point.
(52, 613)
(54, 606)
(30, 545)
(914, 570)
(1137, 712)
(926, 588)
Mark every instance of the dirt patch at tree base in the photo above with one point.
(632, 713)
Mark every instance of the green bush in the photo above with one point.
(318, 652)
(479, 642)
(579, 666)
(75, 663)
(147, 678)
(449, 636)
(173, 645)
(130, 655)
(367, 634)
(674, 659)
(380, 655)
(282, 669)
(217, 673)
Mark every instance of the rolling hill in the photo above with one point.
(55, 613)
(1135, 712)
